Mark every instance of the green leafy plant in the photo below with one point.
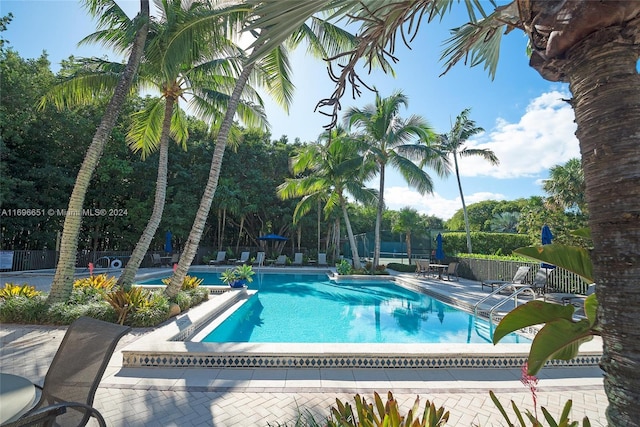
(563, 421)
(188, 283)
(12, 290)
(241, 272)
(561, 336)
(127, 301)
(343, 267)
(387, 415)
(100, 282)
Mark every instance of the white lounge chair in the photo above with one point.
(281, 260)
(518, 278)
(322, 259)
(259, 259)
(297, 259)
(244, 257)
(222, 255)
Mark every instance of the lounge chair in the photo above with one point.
(156, 261)
(422, 267)
(259, 261)
(175, 258)
(563, 298)
(452, 270)
(222, 255)
(297, 259)
(518, 278)
(281, 260)
(541, 279)
(75, 373)
(244, 257)
(322, 259)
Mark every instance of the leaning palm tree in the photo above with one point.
(590, 45)
(397, 143)
(330, 167)
(110, 16)
(323, 39)
(452, 144)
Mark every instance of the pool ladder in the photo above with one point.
(500, 303)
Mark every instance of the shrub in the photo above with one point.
(184, 300)
(153, 313)
(12, 290)
(65, 313)
(344, 267)
(402, 268)
(484, 243)
(127, 301)
(100, 282)
(21, 309)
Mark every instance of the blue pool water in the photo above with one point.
(311, 308)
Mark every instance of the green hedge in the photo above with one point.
(484, 243)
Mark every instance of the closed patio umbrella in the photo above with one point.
(168, 247)
(439, 250)
(546, 238)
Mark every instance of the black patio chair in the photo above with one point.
(75, 373)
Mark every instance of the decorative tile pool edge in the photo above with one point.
(166, 348)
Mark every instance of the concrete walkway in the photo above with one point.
(278, 397)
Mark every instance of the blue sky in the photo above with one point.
(526, 122)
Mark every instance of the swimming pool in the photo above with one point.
(170, 345)
(311, 308)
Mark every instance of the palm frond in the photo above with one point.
(146, 128)
(485, 153)
(277, 76)
(180, 127)
(412, 174)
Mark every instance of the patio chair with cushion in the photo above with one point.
(156, 261)
(259, 259)
(281, 260)
(518, 278)
(76, 371)
(222, 255)
(541, 279)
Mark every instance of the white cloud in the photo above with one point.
(399, 197)
(543, 137)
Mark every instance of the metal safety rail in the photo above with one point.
(500, 303)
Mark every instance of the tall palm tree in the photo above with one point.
(407, 221)
(588, 45)
(565, 185)
(323, 39)
(452, 144)
(395, 142)
(110, 16)
(330, 169)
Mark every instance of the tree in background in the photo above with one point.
(452, 144)
(565, 186)
(328, 170)
(409, 222)
(395, 142)
(505, 222)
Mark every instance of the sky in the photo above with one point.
(527, 124)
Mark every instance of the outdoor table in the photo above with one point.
(440, 268)
(17, 395)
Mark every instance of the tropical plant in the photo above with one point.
(100, 281)
(110, 17)
(329, 170)
(387, 415)
(586, 44)
(395, 142)
(242, 272)
(452, 144)
(505, 222)
(407, 221)
(323, 39)
(561, 336)
(125, 302)
(188, 283)
(12, 290)
(566, 187)
(344, 267)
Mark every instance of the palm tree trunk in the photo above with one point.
(240, 233)
(62, 285)
(191, 246)
(352, 239)
(606, 98)
(141, 248)
(464, 206)
(408, 240)
(376, 247)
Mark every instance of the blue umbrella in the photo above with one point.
(168, 247)
(272, 236)
(439, 250)
(546, 238)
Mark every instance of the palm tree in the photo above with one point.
(388, 138)
(323, 39)
(588, 45)
(505, 222)
(331, 169)
(112, 17)
(452, 144)
(407, 221)
(565, 186)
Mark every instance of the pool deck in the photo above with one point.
(274, 396)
